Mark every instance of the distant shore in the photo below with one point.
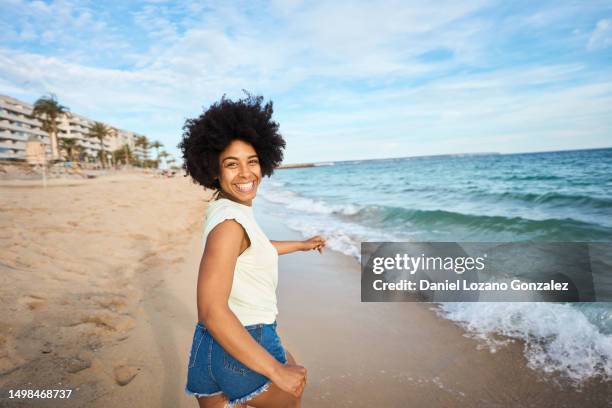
(295, 166)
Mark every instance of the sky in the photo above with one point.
(348, 80)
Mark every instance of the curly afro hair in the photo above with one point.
(205, 137)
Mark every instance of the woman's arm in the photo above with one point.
(286, 247)
(223, 246)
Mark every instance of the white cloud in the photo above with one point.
(337, 71)
(601, 37)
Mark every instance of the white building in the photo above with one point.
(124, 137)
(17, 126)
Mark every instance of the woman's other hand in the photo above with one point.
(290, 378)
(317, 242)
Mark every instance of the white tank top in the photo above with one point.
(253, 294)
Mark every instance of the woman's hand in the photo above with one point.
(290, 378)
(317, 242)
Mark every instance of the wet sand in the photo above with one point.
(97, 295)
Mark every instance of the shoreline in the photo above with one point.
(353, 349)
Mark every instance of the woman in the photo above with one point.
(236, 355)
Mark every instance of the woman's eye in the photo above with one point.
(254, 162)
(232, 164)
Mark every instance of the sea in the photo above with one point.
(563, 196)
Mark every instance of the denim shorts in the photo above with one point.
(213, 371)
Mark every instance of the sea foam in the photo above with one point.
(557, 337)
(299, 203)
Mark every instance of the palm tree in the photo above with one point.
(144, 143)
(70, 146)
(48, 111)
(123, 154)
(156, 145)
(100, 131)
(128, 154)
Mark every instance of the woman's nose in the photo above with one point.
(244, 170)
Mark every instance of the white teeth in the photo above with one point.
(245, 187)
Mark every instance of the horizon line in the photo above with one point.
(452, 154)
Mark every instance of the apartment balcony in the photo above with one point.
(4, 124)
(9, 154)
(5, 144)
(19, 118)
(5, 134)
(21, 109)
(17, 123)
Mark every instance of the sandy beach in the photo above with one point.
(97, 296)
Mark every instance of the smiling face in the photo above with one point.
(239, 172)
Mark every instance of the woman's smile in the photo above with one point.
(245, 187)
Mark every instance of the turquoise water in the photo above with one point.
(553, 196)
